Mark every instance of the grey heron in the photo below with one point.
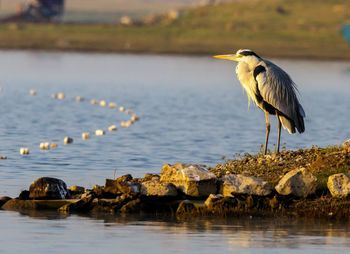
(271, 89)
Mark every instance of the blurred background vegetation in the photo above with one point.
(278, 28)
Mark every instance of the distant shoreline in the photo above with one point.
(97, 38)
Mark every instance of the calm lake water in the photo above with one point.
(192, 109)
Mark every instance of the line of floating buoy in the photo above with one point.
(84, 135)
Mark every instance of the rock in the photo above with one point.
(3, 157)
(3, 200)
(157, 188)
(297, 182)
(219, 204)
(193, 180)
(346, 144)
(133, 206)
(124, 178)
(48, 188)
(186, 208)
(82, 205)
(76, 189)
(212, 199)
(20, 205)
(24, 195)
(120, 186)
(339, 185)
(240, 184)
(149, 177)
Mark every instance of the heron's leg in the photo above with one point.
(279, 134)
(267, 120)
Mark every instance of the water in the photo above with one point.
(192, 109)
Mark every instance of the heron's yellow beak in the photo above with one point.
(231, 57)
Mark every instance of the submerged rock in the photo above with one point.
(48, 188)
(3, 200)
(298, 182)
(240, 184)
(339, 185)
(133, 206)
(157, 188)
(82, 205)
(193, 180)
(186, 208)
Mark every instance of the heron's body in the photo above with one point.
(271, 89)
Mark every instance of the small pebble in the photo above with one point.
(103, 103)
(44, 146)
(85, 135)
(24, 151)
(32, 92)
(100, 132)
(121, 109)
(112, 128)
(67, 140)
(112, 105)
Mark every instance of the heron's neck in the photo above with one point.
(252, 61)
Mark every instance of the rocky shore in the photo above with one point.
(305, 183)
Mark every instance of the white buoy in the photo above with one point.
(100, 132)
(61, 96)
(112, 105)
(121, 109)
(103, 103)
(67, 140)
(125, 124)
(32, 92)
(134, 118)
(44, 146)
(53, 145)
(85, 135)
(78, 99)
(112, 128)
(93, 102)
(24, 151)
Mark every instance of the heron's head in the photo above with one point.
(242, 55)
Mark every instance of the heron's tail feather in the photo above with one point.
(287, 124)
(299, 123)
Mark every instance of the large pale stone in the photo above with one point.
(339, 185)
(157, 188)
(298, 182)
(48, 188)
(240, 184)
(193, 180)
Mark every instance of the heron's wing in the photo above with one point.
(277, 89)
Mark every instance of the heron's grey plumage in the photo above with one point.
(271, 89)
